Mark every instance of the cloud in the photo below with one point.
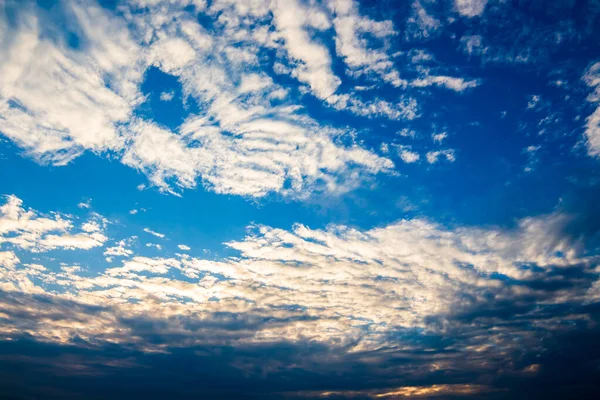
(407, 155)
(592, 127)
(250, 136)
(470, 8)
(453, 298)
(439, 137)
(527, 40)
(302, 284)
(293, 157)
(500, 53)
(448, 82)
(87, 100)
(167, 96)
(431, 391)
(433, 156)
(54, 101)
(27, 229)
(405, 109)
(121, 249)
(354, 39)
(313, 61)
(184, 247)
(421, 25)
(154, 233)
(85, 204)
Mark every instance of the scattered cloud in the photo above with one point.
(533, 102)
(167, 96)
(433, 156)
(592, 127)
(470, 8)
(354, 39)
(407, 133)
(421, 25)
(30, 230)
(154, 233)
(447, 82)
(407, 155)
(120, 249)
(85, 204)
(439, 137)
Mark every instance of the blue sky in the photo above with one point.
(335, 199)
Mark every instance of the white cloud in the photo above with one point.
(167, 96)
(532, 157)
(473, 45)
(448, 82)
(171, 54)
(439, 137)
(470, 8)
(533, 102)
(433, 156)
(477, 45)
(407, 133)
(154, 233)
(85, 204)
(272, 148)
(121, 249)
(54, 101)
(592, 127)
(354, 43)
(421, 25)
(27, 229)
(418, 56)
(404, 109)
(183, 247)
(407, 155)
(264, 156)
(9, 260)
(313, 61)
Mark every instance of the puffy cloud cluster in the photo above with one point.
(27, 229)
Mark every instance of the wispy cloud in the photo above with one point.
(592, 127)
(154, 233)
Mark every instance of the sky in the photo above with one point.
(299, 199)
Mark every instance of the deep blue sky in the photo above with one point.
(299, 199)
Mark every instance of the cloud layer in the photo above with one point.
(299, 199)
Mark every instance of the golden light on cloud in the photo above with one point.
(433, 390)
(410, 391)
